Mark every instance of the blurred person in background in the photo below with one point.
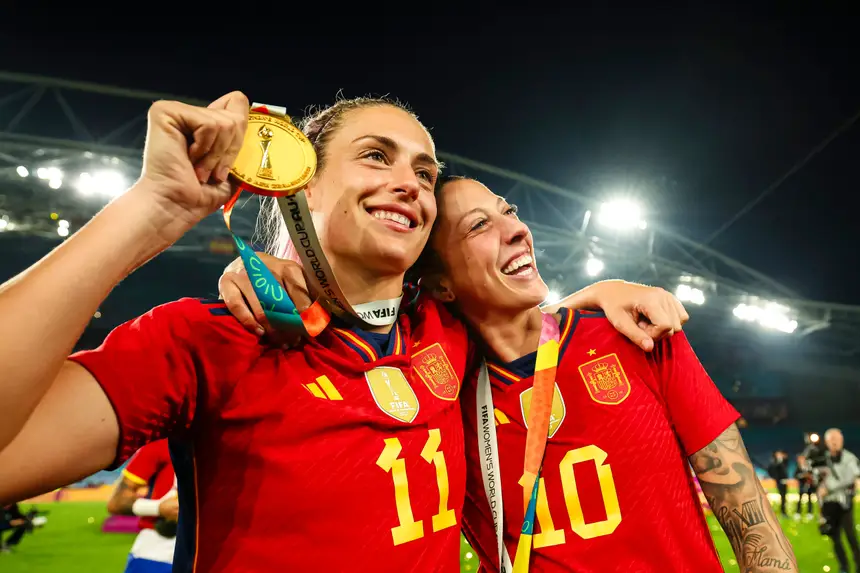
(778, 470)
(12, 519)
(805, 485)
(150, 473)
(836, 497)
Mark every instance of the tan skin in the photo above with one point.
(380, 159)
(479, 231)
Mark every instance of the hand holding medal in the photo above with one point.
(276, 160)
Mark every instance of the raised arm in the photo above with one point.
(740, 504)
(56, 425)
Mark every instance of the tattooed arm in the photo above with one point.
(123, 497)
(740, 504)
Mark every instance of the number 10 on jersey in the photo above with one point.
(390, 461)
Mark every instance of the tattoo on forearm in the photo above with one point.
(741, 506)
(124, 497)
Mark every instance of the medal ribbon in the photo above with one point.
(279, 309)
(543, 389)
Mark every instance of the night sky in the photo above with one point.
(702, 109)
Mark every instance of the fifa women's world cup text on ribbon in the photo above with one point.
(543, 389)
(278, 160)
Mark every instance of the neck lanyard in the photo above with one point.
(538, 428)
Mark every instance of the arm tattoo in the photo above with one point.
(740, 504)
(123, 497)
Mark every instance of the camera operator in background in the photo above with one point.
(778, 470)
(836, 481)
(805, 485)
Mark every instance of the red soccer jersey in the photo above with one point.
(151, 467)
(336, 455)
(617, 493)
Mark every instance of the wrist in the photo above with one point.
(144, 223)
(593, 296)
(146, 507)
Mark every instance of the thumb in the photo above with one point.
(625, 324)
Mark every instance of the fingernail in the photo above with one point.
(202, 174)
(223, 173)
(260, 331)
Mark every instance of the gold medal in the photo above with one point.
(276, 158)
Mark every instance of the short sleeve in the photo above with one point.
(154, 367)
(144, 464)
(696, 407)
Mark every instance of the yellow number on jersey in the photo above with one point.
(390, 461)
(550, 536)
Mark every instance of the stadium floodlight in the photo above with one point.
(63, 223)
(55, 183)
(686, 293)
(552, 297)
(621, 214)
(769, 315)
(593, 267)
(107, 183)
(49, 173)
(22, 171)
(63, 231)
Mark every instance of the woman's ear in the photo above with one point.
(441, 290)
(311, 193)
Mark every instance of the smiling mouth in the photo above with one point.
(520, 266)
(398, 219)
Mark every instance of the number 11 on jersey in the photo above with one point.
(391, 462)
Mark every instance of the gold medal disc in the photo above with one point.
(276, 157)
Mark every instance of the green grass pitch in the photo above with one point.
(72, 542)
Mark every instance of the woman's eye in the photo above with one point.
(375, 155)
(479, 224)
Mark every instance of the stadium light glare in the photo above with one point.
(108, 183)
(22, 171)
(770, 315)
(63, 231)
(63, 223)
(552, 297)
(55, 183)
(49, 173)
(686, 293)
(621, 214)
(593, 267)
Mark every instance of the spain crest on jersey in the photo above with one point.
(556, 414)
(605, 379)
(392, 393)
(435, 370)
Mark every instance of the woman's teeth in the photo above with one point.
(517, 264)
(391, 216)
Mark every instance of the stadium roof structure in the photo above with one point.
(66, 147)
